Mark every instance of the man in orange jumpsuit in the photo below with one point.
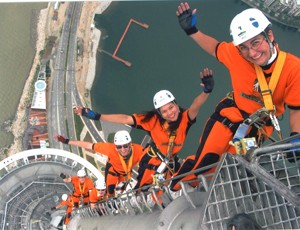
(67, 200)
(82, 186)
(167, 124)
(98, 193)
(252, 59)
(123, 156)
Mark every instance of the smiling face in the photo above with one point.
(257, 50)
(170, 112)
(124, 150)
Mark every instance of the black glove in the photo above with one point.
(63, 176)
(187, 21)
(62, 139)
(290, 155)
(86, 112)
(209, 83)
(53, 208)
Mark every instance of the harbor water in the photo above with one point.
(163, 57)
(17, 45)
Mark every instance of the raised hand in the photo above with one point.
(86, 112)
(61, 139)
(187, 18)
(207, 80)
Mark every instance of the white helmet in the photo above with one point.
(162, 98)
(122, 137)
(247, 25)
(100, 184)
(81, 173)
(64, 197)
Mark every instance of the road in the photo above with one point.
(64, 94)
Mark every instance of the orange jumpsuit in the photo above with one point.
(120, 170)
(70, 205)
(160, 137)
(95, 197)
(81, 190)
(223, 123)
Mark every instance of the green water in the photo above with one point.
(17, 44)
(163, 57)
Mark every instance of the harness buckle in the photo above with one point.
(266, 92)
(227, 122)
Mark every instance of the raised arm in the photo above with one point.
(116, 118)
(207, 85)
(82, 144)
(187, 20)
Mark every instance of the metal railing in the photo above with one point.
(265, 186)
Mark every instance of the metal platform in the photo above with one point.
(264, 185)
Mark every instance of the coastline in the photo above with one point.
(91, 38)
(20, 121)
(87, 65)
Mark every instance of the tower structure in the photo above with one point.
(30, 185)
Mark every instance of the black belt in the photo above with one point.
(226, 122)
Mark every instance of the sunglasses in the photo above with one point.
(80, 177)
(122, 146)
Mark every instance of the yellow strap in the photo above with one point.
(266, 90)
(81, 189)
(128, 168)
(172, 137)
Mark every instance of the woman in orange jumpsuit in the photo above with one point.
(252, 50)
(168, 125)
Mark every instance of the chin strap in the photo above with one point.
(273, 51)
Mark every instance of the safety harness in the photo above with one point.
(268, 89)
(127, 168)
(81, 190)
(168, 159)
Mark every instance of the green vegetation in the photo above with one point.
(50, 42)
(78, 126)
(48, 69)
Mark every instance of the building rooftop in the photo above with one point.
(39, 96)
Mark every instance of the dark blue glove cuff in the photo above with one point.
(205, 90)
(90, 114)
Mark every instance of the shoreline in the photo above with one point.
(84, 81)
(20, 121)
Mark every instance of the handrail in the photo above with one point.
(134, 202)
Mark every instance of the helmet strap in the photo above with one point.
(273, 56)
(273, 51)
